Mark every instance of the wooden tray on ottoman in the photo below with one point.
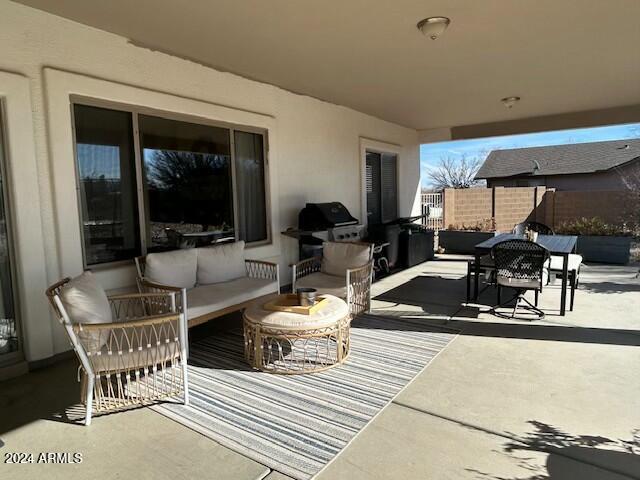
(289, 303)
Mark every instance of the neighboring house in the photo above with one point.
(610, 165)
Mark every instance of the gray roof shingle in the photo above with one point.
(559, 159)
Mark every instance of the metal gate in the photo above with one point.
(432, 208)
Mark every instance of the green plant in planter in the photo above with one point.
(593, 226)
(485, 225)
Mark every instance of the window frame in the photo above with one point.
(136, 110)
(11, 358)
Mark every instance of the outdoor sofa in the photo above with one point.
(210, 281)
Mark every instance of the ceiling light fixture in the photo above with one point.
(509, 102)
(433, 27)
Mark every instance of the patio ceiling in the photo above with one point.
(559, 56)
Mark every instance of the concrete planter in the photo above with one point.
(604, 249)
(461, 241)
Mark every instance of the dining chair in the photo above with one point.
(487, 269)
(520, 265)
(574, 262)
(555, 262)
(538, 227)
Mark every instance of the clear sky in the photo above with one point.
(430, 153)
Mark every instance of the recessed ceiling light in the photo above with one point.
(433, 27)
(509, 102)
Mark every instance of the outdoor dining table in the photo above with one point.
(561, 245)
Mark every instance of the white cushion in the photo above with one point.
(338, 257)
(524, 283)
(221, 263)
(209, 298)
(176, 268)
(324, 284)
(86, 302)
(573, 263)
(333, 311)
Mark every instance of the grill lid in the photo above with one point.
(322, 216)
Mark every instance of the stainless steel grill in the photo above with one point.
(322, 222)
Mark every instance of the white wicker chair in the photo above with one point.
(355, 286)
(144, 358)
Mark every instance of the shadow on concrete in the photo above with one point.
(42, 394)
(527, 331)
(435, 295)
(439, 296)
(572, 457)
(610, 287)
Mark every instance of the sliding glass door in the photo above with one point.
(10, 350)
(381, 187)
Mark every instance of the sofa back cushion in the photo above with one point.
(338, 257)
(176, 268)
(86, 302)
(221, 263)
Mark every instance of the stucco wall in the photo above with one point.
(315, 146)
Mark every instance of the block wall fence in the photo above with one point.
(508, 206)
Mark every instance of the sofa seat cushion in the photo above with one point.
(176, 268)
(221, 263)
(210, 298)
(338, 257)
(555, 262)
(86, 302)
(323, 283)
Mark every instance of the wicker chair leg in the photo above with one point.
(515, 307)
(574, 285)
(536, 298)
(90, 383)
(468, 282)
(185, 383)
(83, 387)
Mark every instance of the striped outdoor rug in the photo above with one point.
(297, 424)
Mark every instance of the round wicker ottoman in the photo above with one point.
(292, 343)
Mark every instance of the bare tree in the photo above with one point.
(188, 187)
(455, 172)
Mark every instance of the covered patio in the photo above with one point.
(170, 171)
(506, 399)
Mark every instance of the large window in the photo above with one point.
(178, 184)
(9, 328)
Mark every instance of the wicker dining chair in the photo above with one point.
(538, 227)
(555, 262)
(522, 266)
(137, 358)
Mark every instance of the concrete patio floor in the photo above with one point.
(555, 399)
